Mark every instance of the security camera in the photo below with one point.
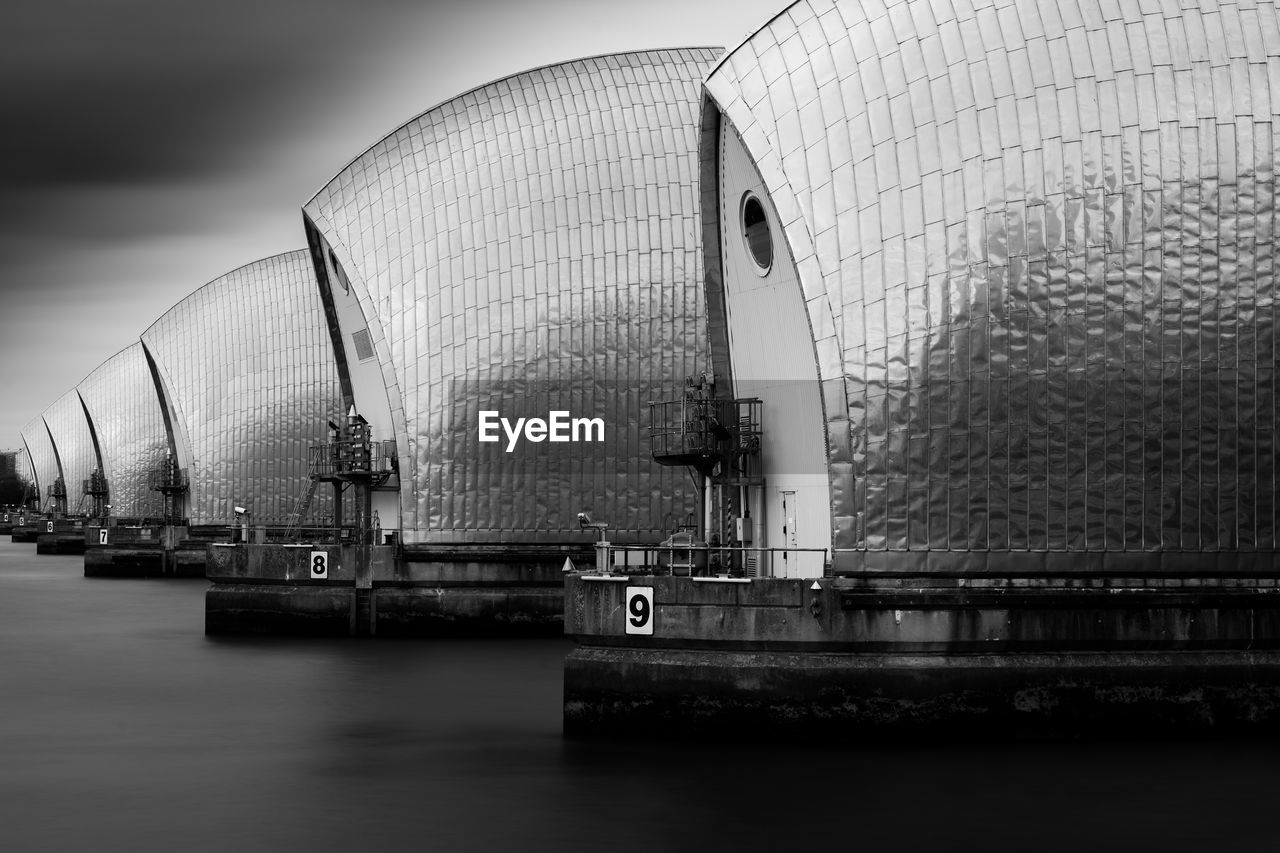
(241, 510)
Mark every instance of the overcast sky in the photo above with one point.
(150, 146)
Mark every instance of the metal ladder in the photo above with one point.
(300, 509)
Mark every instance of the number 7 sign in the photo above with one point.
(639, 615)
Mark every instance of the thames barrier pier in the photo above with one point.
(840, 659)
(1008, 312)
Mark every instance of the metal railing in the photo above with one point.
(684, 431)
(168, 478)
(320, 533)
(352, 458)
(705, 560)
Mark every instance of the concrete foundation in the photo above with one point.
(410, 592)
(853, 659)
(25, 533)
(144, 552)
(59, 536)
(60, 543)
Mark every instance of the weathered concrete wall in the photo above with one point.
(672, 693)
(61, 536)
(476, 611)
(282, 564)
(848, 657)
(268, 589)
(844, 615)
(285, 609)
(142, 551)
(59, 543)
(473, 591)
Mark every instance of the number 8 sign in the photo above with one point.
(639, 615)
(319, 565)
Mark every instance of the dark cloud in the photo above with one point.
(144, 91)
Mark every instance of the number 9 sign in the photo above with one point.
(639, 615)
(319, 565)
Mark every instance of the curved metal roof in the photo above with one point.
(1036, 242)
(120, 396)
(246, 364)
(43, 457)
(536, 235)
(73, 438)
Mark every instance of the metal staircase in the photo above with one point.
(300, 508)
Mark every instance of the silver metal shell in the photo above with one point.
(42, 456)
(247, 369)
(1035, 243)
(120, 397)
(531, 245)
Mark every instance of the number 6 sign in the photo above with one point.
(639, 615)
(319, 565)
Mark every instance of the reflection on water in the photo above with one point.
(123, 728)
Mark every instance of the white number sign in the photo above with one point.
(49, 526)
(639, 615)
(319, 565)
(102, 536)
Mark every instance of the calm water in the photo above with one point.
(123, 728)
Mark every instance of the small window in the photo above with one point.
(755, 232)
(364, 345)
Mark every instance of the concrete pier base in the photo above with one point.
(284, 609)
(143, 552)
(414, 592)
(60, 543)
(673, 694)
(24, 534)
(508, 611)
(848, 659)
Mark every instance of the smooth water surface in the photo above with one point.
(123, 728)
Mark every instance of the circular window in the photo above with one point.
(755, 232)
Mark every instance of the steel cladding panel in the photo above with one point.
(1036, 243)
(122, 401)
(533, 244)
(43, 460)
(74, 442)
(248, 368)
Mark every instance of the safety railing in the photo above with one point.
(349, 458)
(708, 560)
(169, 478)
(317, 534)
